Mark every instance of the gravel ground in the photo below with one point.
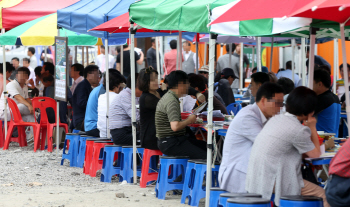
(38, 179)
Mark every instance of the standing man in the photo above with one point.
(152, 55)
(100, 61)
(170, 58)
(126, 60)
(224, 62)
(15, 64)
(33, 61)
(245, 61)
(189, 63)
(76, 72)
(318, 59)
(288, 73)
(26, 63)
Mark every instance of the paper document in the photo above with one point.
(197, 110)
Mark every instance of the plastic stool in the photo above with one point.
(225, 196)
(75, 131)
(126, 171)
(73, 149)
(88, 154)
(215, 195)
(248, 202)
(97, 156)
(82, 149)
(165, 181)
(149, 170)
(301, 201)
(189, 181)
(108, 170)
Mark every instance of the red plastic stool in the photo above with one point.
(147, 176)
(88, 154)
(97, 160)
(2, 137)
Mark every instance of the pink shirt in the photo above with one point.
(170, 61)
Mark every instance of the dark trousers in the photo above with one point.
(338, 191)
(186, 145)
(79, 126)
(93, 133)
(123, 136)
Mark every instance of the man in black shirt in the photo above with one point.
(126, 60)
(152, 55)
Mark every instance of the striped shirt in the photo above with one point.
(120, 110)
(168, 110)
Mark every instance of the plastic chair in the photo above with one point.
(16, 121)
(149, 166)
(248, 202)
(234, 108)
(73, 149)
(82, 150)
(126, 171)
(170, 169)
(225, 196)
(328, 119)
(42, 103)
(215, 195)
(88, 154)
(301, 201)
(2, 137)
(111, 153)
(97, 156)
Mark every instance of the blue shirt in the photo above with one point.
(79, 101)
(289, 74)
(91, 115)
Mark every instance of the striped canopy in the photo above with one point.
(42, 31)
(6, 4)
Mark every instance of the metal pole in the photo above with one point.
(58, 114)
(45, 51)
(133, 98)
(271, 58)
(122, 59)
(197, 51)
(4, 85)
(178, 52)
(300, 64)
(335, 65)
(293, 58)
(82, 56)
(107, 86)
(180, 49)
(75, 54)
(346, 75)
(157, 57)
(241, 68)
(212, 44)
(253, 57)
(230, 56)
(87, 55)
(258, 53)
(303, 66)
(312, 57)
(205, 53)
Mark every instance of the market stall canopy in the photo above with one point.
(29, 10)
(42, 31)
(179, 15)
(6, 4)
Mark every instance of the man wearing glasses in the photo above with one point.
(242, 133)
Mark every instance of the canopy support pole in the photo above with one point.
(253, 57)
(197, 51)
(312, 56)
(258, 53)
(271, 54)
(4, 82)
(107, 87)
(122, 59)
(230, 55)
(293, 59)
(345, 69)
(82, 56)
(157, 58)
(335, 65)
(58, 114)
(45, 51)
(303, 66)
(133, 98)
(241, 63)
(212, 45)
(180, 50)
(205, 53)
(75, 55)
(87, 55)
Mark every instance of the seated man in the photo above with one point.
(18, 91)
(120, 114)
(81, 95)
(198, 82)
(241, 135)
(326, 119)
(257, 79)
(9, 69)
(287, 85)
(338, 187)
(116, 85)
(224, 86)
(174, 140)
(288, 73)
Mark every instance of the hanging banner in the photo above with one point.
(61, 63)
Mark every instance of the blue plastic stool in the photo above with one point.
(126, 170)
(165, 181)
(189, 181)
(248, 202)
(75, 131)
(108, 170)
(225, 196)
(198, 190)
(73, 149)
(301, 201)
(82, 149)
(215, 195)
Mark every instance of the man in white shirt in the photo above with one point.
(100, 61)
(288, 73)
(76, 72)
(189, 63)
(33, 60)
(241, 135)
(116, 85)
(26, 63)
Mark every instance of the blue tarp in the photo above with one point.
(87, 14)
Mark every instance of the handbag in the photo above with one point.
(307, 173)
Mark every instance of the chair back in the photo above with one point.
(328, 119)
(15, 113)
(42, 103)
(234, 108)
